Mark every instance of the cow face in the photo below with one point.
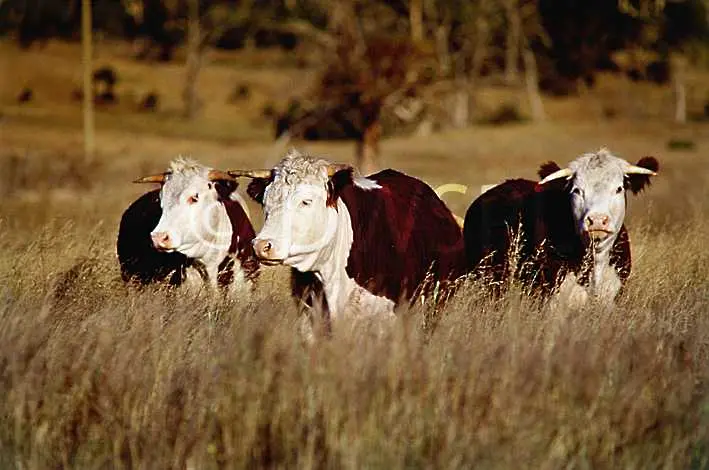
(300, 208)
(193, 215)
(596, 184)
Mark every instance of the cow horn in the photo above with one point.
(563, 173)
(333, 168)
(153, 178)
(250, 173)
(219, 175)
(638, 170)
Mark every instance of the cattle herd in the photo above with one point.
(359, 246)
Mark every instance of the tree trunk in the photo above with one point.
(367, 153)
(679, 82)
(482, 33)
(512, 42)
(532, 82)
(442, 49)
(416, 20)
(86, 59)
(194, 61)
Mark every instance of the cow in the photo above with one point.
(566, 229)
(140, 262)
(195, 220)
(358, 246)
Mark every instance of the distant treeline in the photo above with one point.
(572, 39)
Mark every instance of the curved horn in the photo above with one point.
(563, 173)
(250, 173)
(153, 178)
(219, 175)
(638, 170)
(333, 168)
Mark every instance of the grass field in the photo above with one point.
(95, 375)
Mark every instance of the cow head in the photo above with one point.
(300, 204)
(191, 200)
(596, 184)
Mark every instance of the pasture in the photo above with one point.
(95, 375)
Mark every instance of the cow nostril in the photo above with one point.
(605, 220)
(161, 239)
(263, 247)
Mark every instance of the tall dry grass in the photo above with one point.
(95, 375)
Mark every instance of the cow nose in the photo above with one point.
(161, 240)
(597, 222)
(263, 248)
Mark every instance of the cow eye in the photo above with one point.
(619, 190)
(306, 202)
(193, 199)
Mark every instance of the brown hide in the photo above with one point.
(400, 232)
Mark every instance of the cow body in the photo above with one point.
(557, 233)
(366, 244)
(193, 224)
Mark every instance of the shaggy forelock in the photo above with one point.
(182, 172)
(187, 167)
(602, 162)
(296, 168)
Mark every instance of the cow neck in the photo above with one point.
(596, 262)
(331, 263)
(219, 247)
(240, 248)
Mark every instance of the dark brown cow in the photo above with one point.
(568, 226)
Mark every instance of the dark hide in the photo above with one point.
(241, 247)
(400, 232)
(550, 247)
(140, 261)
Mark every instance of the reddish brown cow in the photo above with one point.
(568, 226)
(366, 243)
(200, 224)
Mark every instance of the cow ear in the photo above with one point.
(225, 187)
(257, 188)
(337, 183)
(638, 182)
(547, 169)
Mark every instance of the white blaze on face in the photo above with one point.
(193, 221)
(303, 230)
(298, 222)
(597, 192)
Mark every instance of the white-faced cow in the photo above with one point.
(195, 221)
(365, 243)
(569, 226)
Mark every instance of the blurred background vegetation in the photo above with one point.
(360, 69)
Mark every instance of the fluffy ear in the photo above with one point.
(336, 183)
(638, 182)
(547, 169)
(257, 187)
(225, 187)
